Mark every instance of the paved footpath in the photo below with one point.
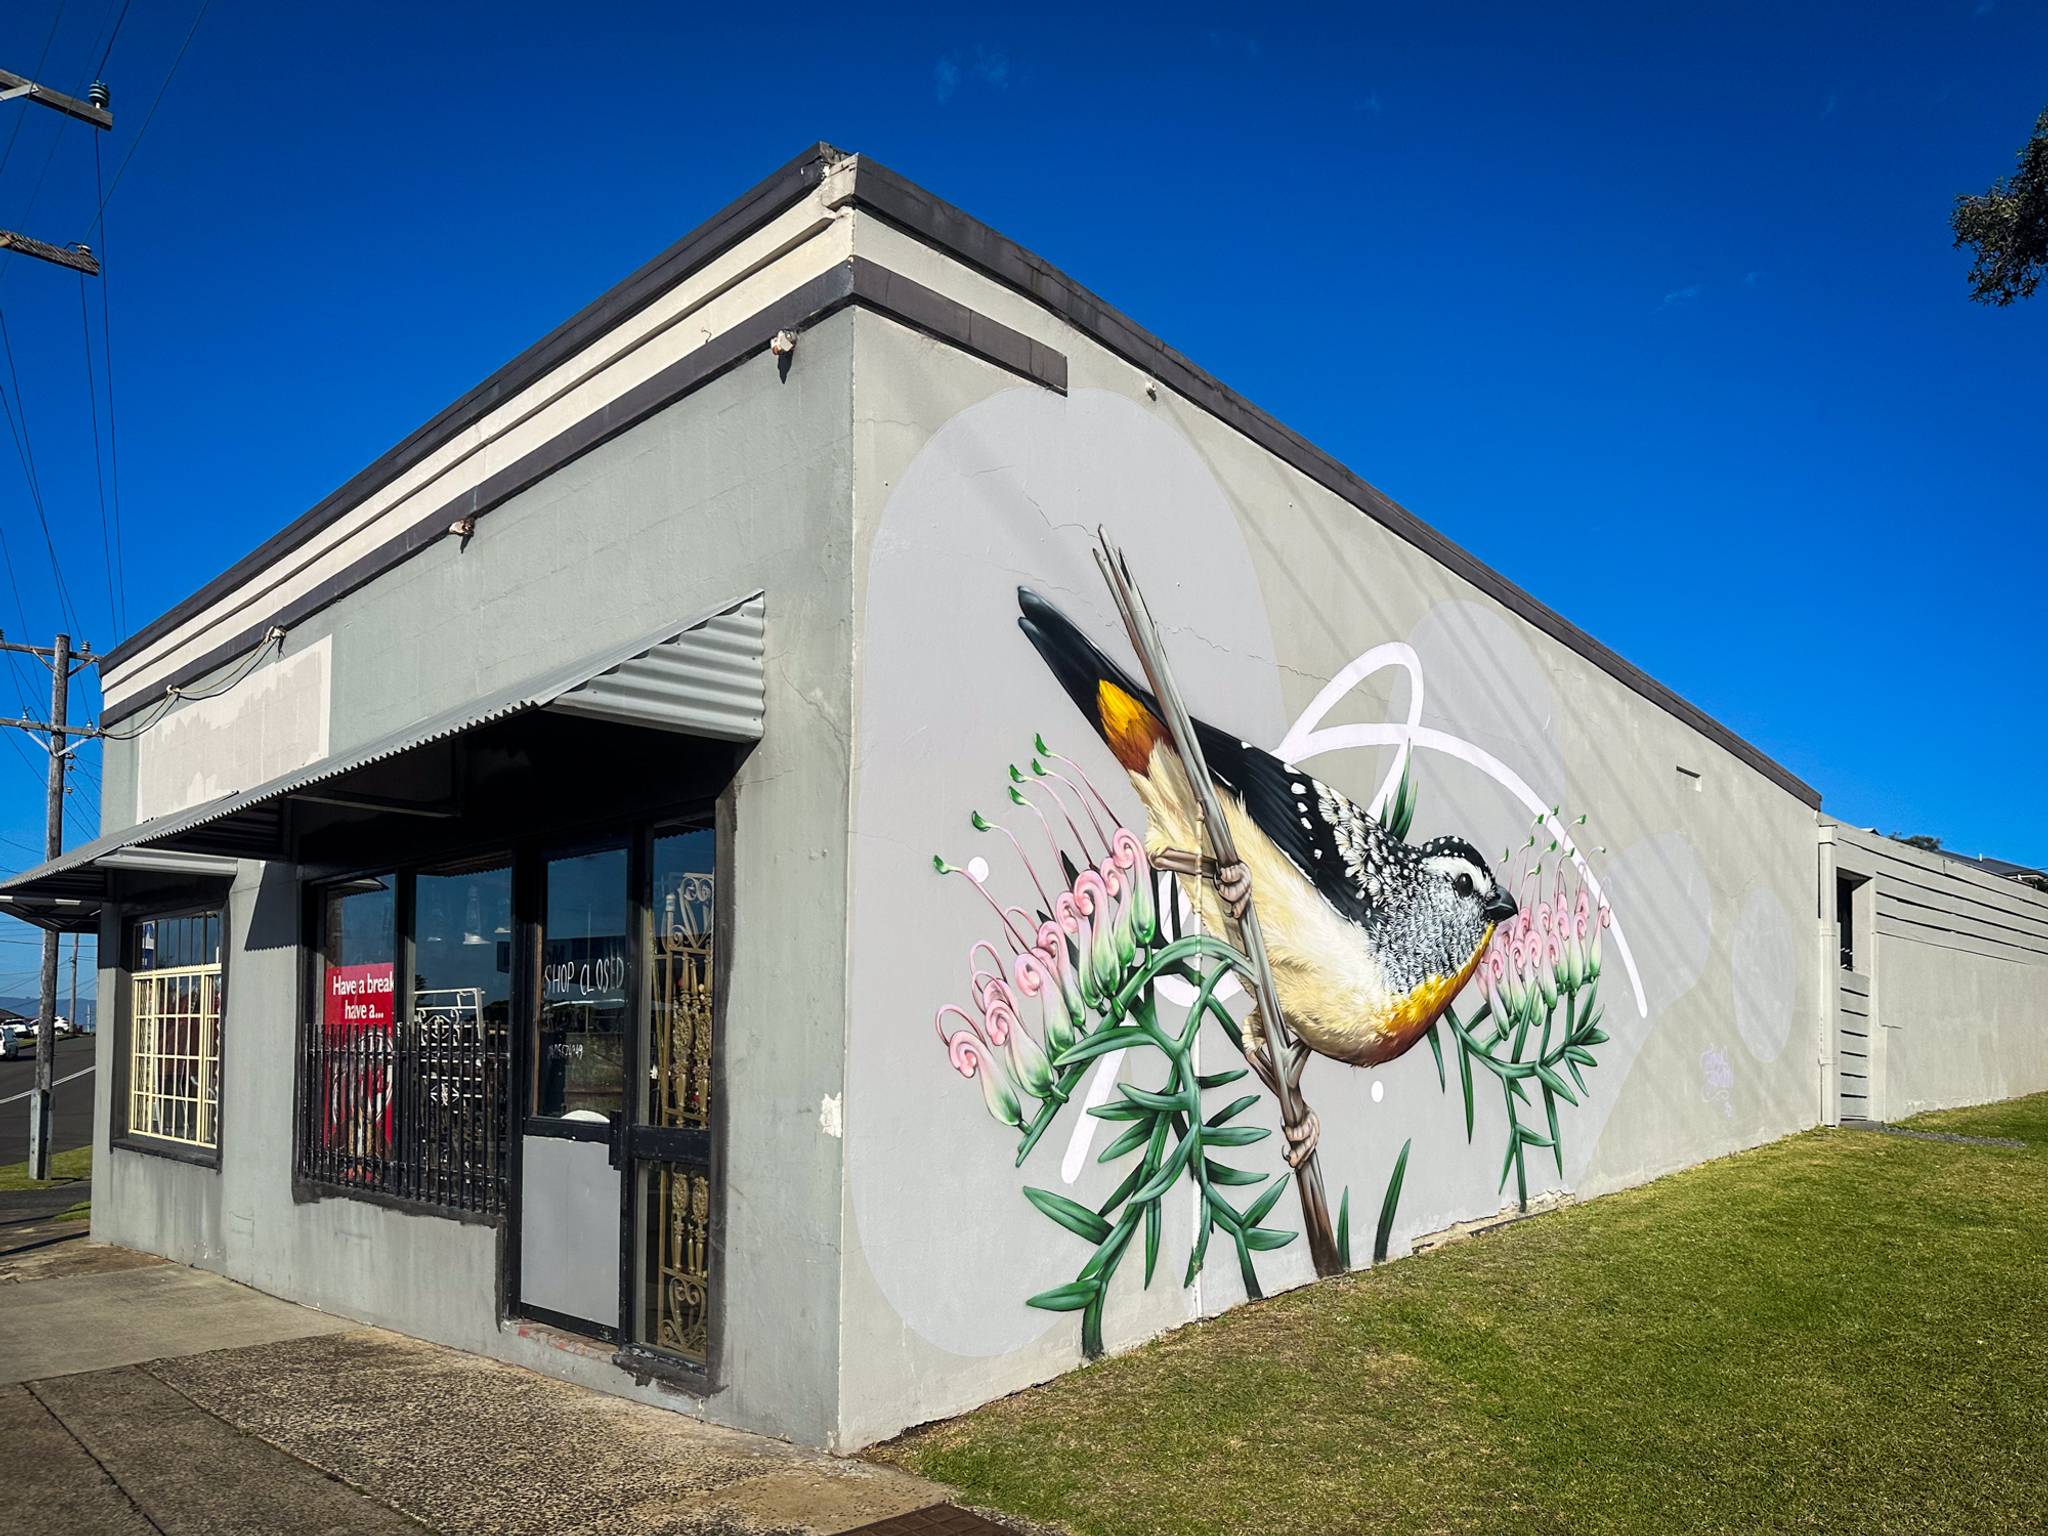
(142, 1397)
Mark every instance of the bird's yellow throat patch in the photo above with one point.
(1127, 725)
(1422, 1007)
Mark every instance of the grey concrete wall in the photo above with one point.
(743, 484)
(971, 482)
(1958, 967)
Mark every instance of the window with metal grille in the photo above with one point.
(173, 1088)
(405, 1070)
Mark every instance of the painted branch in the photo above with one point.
(1144, 637)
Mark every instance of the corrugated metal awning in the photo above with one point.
(704, 677)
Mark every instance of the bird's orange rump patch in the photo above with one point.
(1127, 725)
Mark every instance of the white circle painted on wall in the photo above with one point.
(1766, 974)
(1007, 493)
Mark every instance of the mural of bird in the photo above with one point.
(1370, 937)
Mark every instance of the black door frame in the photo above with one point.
(632, 1140)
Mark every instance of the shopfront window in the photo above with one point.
(347, 1078)
(174, 1030)
(579, 1055)
(404, 1079)
(458, 1039)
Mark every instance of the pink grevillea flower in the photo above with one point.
(971, 1057)
(1097, 913)
(1547, 966)
(1036, 977)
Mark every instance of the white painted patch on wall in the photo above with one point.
(272, 722)
(832, 1116)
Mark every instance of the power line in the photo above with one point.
(41, 59)
(28, 461)
(92, 403)
(113, 435)
(100, 71)
(148, 117)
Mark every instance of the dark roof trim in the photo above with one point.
(854, 282)
(731, 224)
(888, 195)
(938, 223)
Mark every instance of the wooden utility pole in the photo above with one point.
(53, 844)
(63, 662)
(59, 657)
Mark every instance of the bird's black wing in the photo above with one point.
(1348, 856)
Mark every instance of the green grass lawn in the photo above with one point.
(65, 1168)
(1838, 1332)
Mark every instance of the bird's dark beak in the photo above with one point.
(1500, 906)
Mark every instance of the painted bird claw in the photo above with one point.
(1234, 884)
(1302, 1139)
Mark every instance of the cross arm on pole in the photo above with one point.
(13, 85)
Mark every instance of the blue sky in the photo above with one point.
(1653, 309)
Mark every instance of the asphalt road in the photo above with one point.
(73, 1099)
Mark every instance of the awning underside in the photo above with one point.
(703, 678)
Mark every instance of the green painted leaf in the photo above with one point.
(1134, 1137)
(1578, 1053)
(1256, 1211)
(1071, 1297)
(1169, 1170)
(1091, 1329)
(1223, 1173)
(1592, 1037)
(1344, 1228)
(1265, 1239)
(1166, 1101)
(1465, 1082)
(1100, 1043)
(1077, 1219)
(1200, 1252)
(1123, 1191)
(1151, 1240)
(1210, 1080)
(1245, 1269)
(1231, 1110)
(1235, 1135)
(1120, 1109)
(1436, 1049)
(1555, 1084)
(1388, 1203)
(1532, 1138)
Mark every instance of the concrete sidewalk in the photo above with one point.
(149, 1397)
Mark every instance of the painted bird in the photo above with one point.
(1370, 937)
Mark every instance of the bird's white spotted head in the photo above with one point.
(1462, 874)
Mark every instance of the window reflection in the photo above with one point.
(579, 1058)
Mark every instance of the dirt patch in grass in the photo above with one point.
(1835, 1332)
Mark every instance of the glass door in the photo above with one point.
(570, 1195)
(670, 1237)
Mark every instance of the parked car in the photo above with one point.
(15, 1042)
(63, 1027)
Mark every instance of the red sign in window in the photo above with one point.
(359, 997)
(357, 1049)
